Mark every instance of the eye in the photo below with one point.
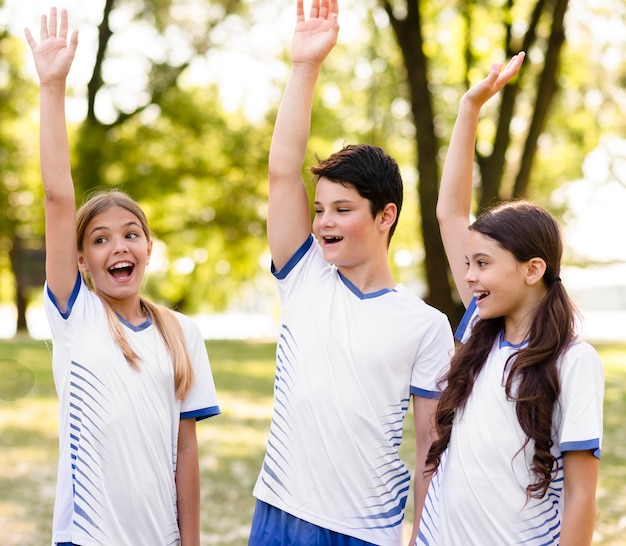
(481, 263)
(131, 235)
(99, 240)
(343, 210)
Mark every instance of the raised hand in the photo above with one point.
(496, 80)
(53, 55)
(314, 38)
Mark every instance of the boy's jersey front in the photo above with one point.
(346, 366)
(118, 427)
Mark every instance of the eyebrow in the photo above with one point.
(131, 223)
(336, 202)
(478, 255)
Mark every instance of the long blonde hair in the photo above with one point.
(163, 318)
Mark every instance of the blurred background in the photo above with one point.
(173, 101)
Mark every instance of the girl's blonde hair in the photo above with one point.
(162, 317)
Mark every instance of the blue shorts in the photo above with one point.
(273, 527)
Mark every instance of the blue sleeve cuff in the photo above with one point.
(459, 335)
(200, 414)
(433, 395)
(592, 445)
(294, 259)
(72, 299)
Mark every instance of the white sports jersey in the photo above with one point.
(346, 365)
(478, 495)
(118, 427)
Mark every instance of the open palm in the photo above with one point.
(314, 38)
(53, 55)
(496, 80)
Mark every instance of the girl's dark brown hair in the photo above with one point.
(527, 231)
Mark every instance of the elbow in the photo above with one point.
(59, 196)
(441, 213)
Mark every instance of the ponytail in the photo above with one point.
(167, 324)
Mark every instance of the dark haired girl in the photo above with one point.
(520, 421)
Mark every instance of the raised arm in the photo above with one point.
(289, 216)
(455, 193)
(53, 58)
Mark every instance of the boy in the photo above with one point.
(353, 346)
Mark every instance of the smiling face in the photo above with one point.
(115, 252)
(344, 225)
(497, 280)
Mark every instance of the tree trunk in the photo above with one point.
(409, 36)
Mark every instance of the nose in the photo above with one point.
(470, 275)
(322, 220)
(327, 219)
(120, 245)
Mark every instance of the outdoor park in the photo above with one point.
(231, 444)
(174, 102)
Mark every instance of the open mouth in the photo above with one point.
(481, 295)
(121, 270)
(331, 239)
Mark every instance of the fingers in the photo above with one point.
(315, 9)
(43, 28)
(64, 24)
(300, 11)
(73, 43)
(334, 8)
(30, 39)
(320, 9)
(48, 28)
(52, 23)
(515, 63)
(511, 69)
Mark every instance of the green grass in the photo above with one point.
(231, 445)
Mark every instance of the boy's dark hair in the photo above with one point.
(373, 174)
(527, 231)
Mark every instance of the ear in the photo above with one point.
(388, 216)
(536, 267)
(82, 263)
(149, 249)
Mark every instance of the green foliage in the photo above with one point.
(200, 172)
(19, 184)
(200, 176)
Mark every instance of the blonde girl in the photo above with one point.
(132, 377)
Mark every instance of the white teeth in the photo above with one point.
(120, 265)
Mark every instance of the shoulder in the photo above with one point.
(416, 306)
(186, 322)
(423, 318)
(581, 360)
(580, 349)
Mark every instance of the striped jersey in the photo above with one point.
(118, 427)
(346, 366)
(478, 495)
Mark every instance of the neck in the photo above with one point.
(368, 281)
(131, 310)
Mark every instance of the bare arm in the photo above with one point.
(53, 58)
(580, 470)
(289, 216)
(188, 484)
(455, 193)
(424, 421)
